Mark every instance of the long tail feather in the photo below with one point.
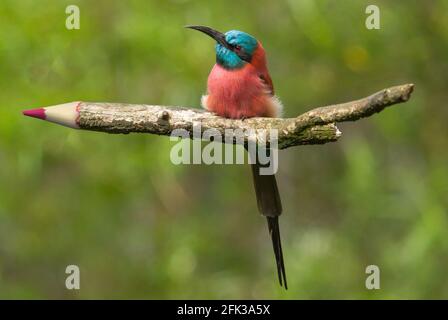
(269, 205)
(274, 231)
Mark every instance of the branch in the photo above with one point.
(313, 127)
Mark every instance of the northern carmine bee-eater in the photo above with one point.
(239, 87)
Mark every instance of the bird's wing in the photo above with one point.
(266, 79)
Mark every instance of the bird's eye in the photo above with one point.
(237, 48)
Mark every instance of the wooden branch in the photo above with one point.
(313, 127)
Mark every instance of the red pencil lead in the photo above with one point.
(35, 113)
(64, 114)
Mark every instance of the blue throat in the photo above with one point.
(228, 58)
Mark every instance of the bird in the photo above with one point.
(239, 87)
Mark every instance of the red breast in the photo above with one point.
(241, 93)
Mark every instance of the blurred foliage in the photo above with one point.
(140, 227)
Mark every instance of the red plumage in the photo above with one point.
(242, 93)
(246, 91)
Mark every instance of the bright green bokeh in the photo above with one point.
(140, 227)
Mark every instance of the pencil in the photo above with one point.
(316, 126)
(66, 114)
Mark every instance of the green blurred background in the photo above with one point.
(141, 227)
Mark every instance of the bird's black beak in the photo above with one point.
(218, 36)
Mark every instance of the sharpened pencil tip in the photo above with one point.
(35, 113)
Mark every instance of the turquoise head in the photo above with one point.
(233, 49)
